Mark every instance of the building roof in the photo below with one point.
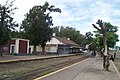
(19, 39)
(67, 42)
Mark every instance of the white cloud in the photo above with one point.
(75, 13)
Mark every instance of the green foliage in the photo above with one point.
(111, 35)
(36, 25)
(88, 38)
(69, 32)
(32, 25)
(16, 34)
(6, 22)
(57, 31)
(98, 41)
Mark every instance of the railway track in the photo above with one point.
(50, 65)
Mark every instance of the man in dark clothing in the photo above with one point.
(114, 55)
(111, 57)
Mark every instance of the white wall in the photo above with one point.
(38, 49)
(54, 41)
(31, 48)
(17, 46)
(50, 48)
(53, 49)
(47, 49)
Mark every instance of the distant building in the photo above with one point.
(60, 45)
(17, 46)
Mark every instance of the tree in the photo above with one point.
(102, 30)
(109, 37)
(69, 32)
(56, 30)
(36, 25)
(6, 23)
(99, 41)
(16, 34)
(88, 38)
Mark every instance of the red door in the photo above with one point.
(23, 46)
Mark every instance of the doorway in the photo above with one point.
(12, 49)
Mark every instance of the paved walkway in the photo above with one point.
(89, 69)
(95, 72)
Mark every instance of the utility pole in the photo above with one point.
(102, 30)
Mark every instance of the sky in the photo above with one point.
(79, 14)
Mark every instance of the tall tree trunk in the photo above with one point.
(43, 49)
(1, 51)
(106, 54)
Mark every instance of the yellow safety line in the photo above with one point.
(32, 58)
(116, 69)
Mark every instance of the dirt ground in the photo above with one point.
(12, 71)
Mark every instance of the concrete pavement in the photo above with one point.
(89, 69)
